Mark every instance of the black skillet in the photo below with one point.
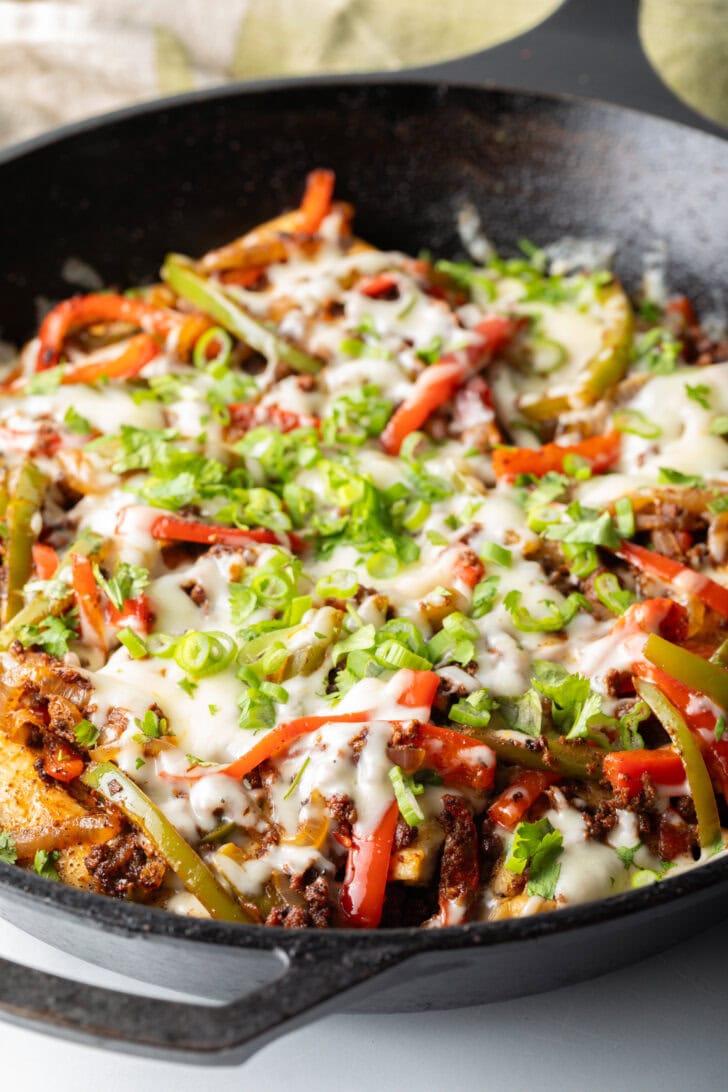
(190, 173)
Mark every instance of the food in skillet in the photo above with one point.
(346, 588)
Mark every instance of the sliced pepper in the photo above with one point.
(512, 804)
(137, 353)
(551, 752)
(458, 758)
(186, 530)
(105, 307)
(26, 497)
(212, 298)
(698, 778)
(42, 605)
(625, 769)
(437, 384)
(316, 201)
(88, 599)
(367, 867)
(603, 370)
(420, 689)
(61, 761)
(45, 561)
(687, 668)
(601, 452)
(108, 781)
(675, 575)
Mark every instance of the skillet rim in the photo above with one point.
(136, 918)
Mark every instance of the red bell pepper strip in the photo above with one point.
(61, 761)
(509, 808)
(458, 758)
(83, 311)
(137, 611)
(681, 305)
(45, 561)
(600, 451)
(675, 575)
(420, 689)
(137, 353)
(377, 285)
(248, 415)
(86, 591)
(362, 893)
(316, 201)
(438, 383)
(624, 769)
(658, 615)
(276, 741)
(699, 718)
(187, 530)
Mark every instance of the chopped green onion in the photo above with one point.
(296, 609)
(162, 645)
(201, 653)
(404, 793)
(278, 693)
(415, 515)
(351, 346)
(339, 584)
(221, 359)
(473, 711)
(612, 594)
(547, 355)
(272, 588)
(636, 423)
(498, 555)
(458, 626)
(576, 466)
(86, 733)
(382, 566)
(393, 655)
(297, 778)
(719, 426)
(133, 643)
(624, 512)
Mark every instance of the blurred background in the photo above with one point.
(61, 60)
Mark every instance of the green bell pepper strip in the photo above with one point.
(696, 772)
(214, 301)
(699, 674)
(604, 370)
(108, 781)
(39, 608)
(550, 752)
(25, 500)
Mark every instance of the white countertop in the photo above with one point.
(659, 1025)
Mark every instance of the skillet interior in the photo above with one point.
(193, 173)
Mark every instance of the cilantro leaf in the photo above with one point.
(668, 476)
(51, 635)
(128, 582)
(8, 852)
(558, 618)
(484, 595)
(626, 854)
(524, 714)
(537, 846)
(76, 423)
(598, 531)
(700, 393)
(44, 863)
(86, 733)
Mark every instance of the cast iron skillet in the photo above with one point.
(193, 172)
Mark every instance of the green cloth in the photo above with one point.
(65, 59)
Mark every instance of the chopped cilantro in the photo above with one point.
(44, 863)
(128, 582)
(8, 852)
(151, 724)
(86, 733)
(52, 635)
(626, 854)
(538, 846)
(700, 393)
(75, 422)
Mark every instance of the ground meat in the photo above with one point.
(603, 820)
(357, 743)
(404, 834)
(196, 592)
(63, 718)
(491, 850)
(459, 871)
(343, 812)
(126, 866)
(618, 683)
(290, 917)
(318, 900)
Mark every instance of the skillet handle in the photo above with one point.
(589, 48)
(311, 985)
